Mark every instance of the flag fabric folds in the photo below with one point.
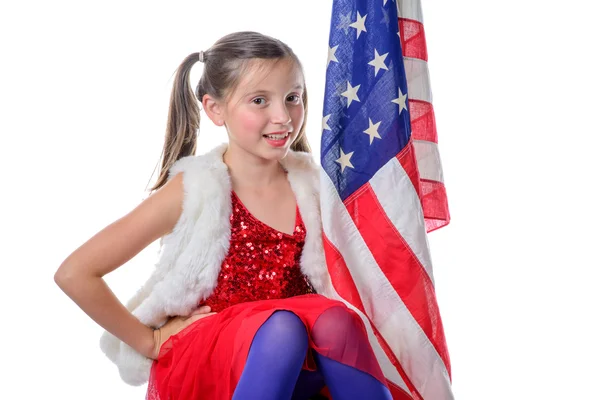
(382, 189)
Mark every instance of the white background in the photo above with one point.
(84, 90)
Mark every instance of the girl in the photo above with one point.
(240, 236)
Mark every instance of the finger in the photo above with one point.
(200, 316)
(201, 310)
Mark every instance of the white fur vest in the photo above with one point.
(191, 255)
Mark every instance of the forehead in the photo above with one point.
(270, 75)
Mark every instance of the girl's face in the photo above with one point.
(265, 112)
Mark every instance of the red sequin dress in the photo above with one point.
(260, 275)
(262, 263)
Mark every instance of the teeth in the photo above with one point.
(277, 137)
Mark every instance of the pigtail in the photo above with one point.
(182, 123)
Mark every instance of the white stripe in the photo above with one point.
(410, 9)
(417, 78)
(428, 160)
(391, 183)
(382, 304)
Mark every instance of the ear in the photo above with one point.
(214, 109)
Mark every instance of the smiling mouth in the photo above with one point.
(278, 136)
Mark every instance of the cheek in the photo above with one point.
(297, 114)
(248, 123)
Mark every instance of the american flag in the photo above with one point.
(382, 188)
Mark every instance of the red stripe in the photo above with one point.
(412, 38)
(340, 276)
(399, 264)
(408, 161)
(435, 204)
(422, 120)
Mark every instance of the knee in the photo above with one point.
(337, 326)
(284, 333)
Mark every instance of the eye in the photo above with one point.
(259, 101)
(294, 98)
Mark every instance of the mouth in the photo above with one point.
(277, 140)
(277, 136)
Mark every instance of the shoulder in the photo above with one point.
(207, 162)
(202, 176)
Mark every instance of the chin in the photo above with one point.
(275, 153)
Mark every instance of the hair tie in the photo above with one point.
(201, 56)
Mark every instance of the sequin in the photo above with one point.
(262, 263)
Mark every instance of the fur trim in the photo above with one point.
(303, 175)
(188, 266)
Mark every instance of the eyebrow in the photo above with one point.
(267, 91)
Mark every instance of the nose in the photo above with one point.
(280, 114)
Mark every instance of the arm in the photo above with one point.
(80, 275)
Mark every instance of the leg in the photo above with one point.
(338, 331)
(308, 385)
(274, 360)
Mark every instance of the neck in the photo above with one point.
(248, 170)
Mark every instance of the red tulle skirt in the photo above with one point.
(205, 360)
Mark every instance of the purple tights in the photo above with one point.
(273, 369)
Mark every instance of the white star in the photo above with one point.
(401, 101)
(385, 2)
(386, 18)
(331, 56)
(339, 89)
(344, 22)
(378, 63)
(351, 94)
(344, 160)
(359, 24)
(324, 125)
(372, 131)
